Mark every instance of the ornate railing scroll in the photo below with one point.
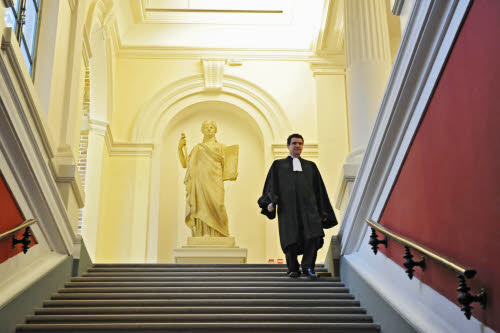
(25, 241)
(464, 298)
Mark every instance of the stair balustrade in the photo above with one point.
(25, 241)
(464, 298)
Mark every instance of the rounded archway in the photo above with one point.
(235, 126)
(241, 100)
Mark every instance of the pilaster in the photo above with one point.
(368, 65)
(95, 153)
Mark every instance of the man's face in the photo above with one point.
(295, 147)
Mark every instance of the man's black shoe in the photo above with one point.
(294, 275)
(311, 274)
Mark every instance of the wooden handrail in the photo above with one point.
(464, 298)
(460, 269)
(23, 225)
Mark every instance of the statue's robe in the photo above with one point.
(302, 202)
(207, 168)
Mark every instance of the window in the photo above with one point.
(22, 16)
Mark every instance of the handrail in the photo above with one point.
(464, 298)
(23, 225)
(460, 269)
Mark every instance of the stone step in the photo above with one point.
(205, 318)
(192, 269)
(201, 302)
(200, 278)
(201, 309)
(208, 284)
(196, 265)
(200, 274)
(262, 327)
(207, 289)
(194, 296)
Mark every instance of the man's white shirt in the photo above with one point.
(296, 164)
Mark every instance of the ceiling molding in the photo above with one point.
(137, 52)
(276, 12)
(319, 42)
(332, 25)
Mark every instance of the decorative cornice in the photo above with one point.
(146, 52)
(213, 73)
(311, 151)
(103, 129)
(127, 148)
(397, 7)
(322, 68)
(332, 22)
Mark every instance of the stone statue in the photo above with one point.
(208, 165)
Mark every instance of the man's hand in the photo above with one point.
(270, 208)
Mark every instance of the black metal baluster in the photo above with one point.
(374, 241)
(25, 240)
(465, 298)
(410, 263)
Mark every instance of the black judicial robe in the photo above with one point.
(302, 202)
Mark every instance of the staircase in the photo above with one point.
(199, 298)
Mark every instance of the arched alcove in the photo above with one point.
(254, 107)
(235, 126)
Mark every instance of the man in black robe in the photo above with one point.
(295, 186)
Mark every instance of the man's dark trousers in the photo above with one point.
(311, 247)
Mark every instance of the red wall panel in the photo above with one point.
(10, 217)
(447, 195)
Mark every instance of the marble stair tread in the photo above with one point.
(193, 269)
(207, 318)
(206, 298)
(208, 295)
(204, 274)
(208, 284)
(262, 327)
(201, 302)
(244, 266)
(202, 309)
(207, 289)
(257, 278)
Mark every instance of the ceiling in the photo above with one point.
(269, 25)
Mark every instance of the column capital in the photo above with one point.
(367, 34)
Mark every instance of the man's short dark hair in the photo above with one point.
(291, 136)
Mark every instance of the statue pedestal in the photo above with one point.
(210, 250)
